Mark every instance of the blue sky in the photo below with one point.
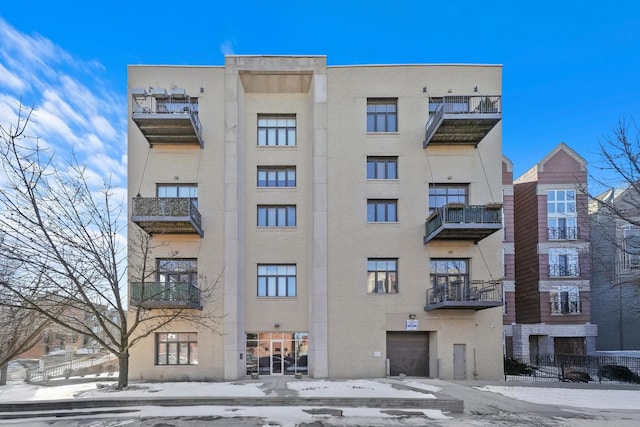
(570, 68)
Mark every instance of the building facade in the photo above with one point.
(615, 292)
(352, 214)
(552, 260)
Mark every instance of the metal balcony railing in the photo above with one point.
(149, 209)
(476, 295)
(161, 105)
(562, 233)
(564, 270)
(567, 307)
(460, 106)
(160, 294)
(464, 217)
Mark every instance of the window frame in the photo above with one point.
(288, 272)
(277, 130)
(180, 189)
(437, 199)
(571, 297)
(375, 112)
(561, 208)
(376, 203)
(564, 262)
(191, 347)
(388, 269)
(287, 171)
(631, 259)
(190, 273)
(273, 213)
(386, 161)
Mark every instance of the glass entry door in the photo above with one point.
(277, 359)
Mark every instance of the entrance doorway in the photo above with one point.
(408, 353)
(459, 361)
(277, 359)
(277, 353)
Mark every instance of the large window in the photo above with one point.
(281, 176)
(277, 216)
(382, 168)
(561, 215)
(382, 115)
(446, 194)
(382, 276)
(449, 278)
(182, 191)
(176, 348)
(564, 300)
(563, 262)
(382, 210)
(631, 235)
(177, 271)
(277, 280)
(277, 130)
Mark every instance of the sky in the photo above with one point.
(569, 68)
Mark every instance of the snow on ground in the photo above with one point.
(581, 398)
(353, 388)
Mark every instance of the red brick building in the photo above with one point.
(551, 239)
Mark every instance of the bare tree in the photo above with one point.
(614, 214)
(619, 172)
(20, 329)
(68, 240)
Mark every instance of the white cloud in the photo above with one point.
(227, 47)
(74, 108)
(7, 78)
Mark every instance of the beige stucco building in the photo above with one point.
(352, 214)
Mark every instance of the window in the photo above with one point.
(176, 348)
(565, 299)
(446, 194)
(277, 280)
(631, 235)
(561, 215)
(177, 271)
(182, 191)
(276, 130)
(382, 168)
(277, 176)
(449, 278)
(382, 210)
(382, 115)
(563, 262)
(382, 276)
(277, 216)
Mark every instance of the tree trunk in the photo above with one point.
(123, 372)
(3, 374)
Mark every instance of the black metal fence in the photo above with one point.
(572, 368)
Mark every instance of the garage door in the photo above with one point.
(408, 353)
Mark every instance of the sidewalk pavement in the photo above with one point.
(276, 393)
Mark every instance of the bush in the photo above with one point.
(514, 367)
(619, 373)
(576, 376)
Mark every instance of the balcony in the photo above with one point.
(562, 233)
(165, 295)
(463, 222)
(166, 215)
(564, 270)
(566, 307)
(167, 118)
(461, 119)
(478, 295)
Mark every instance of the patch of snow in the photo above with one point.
(581, 398)
(353, 388)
